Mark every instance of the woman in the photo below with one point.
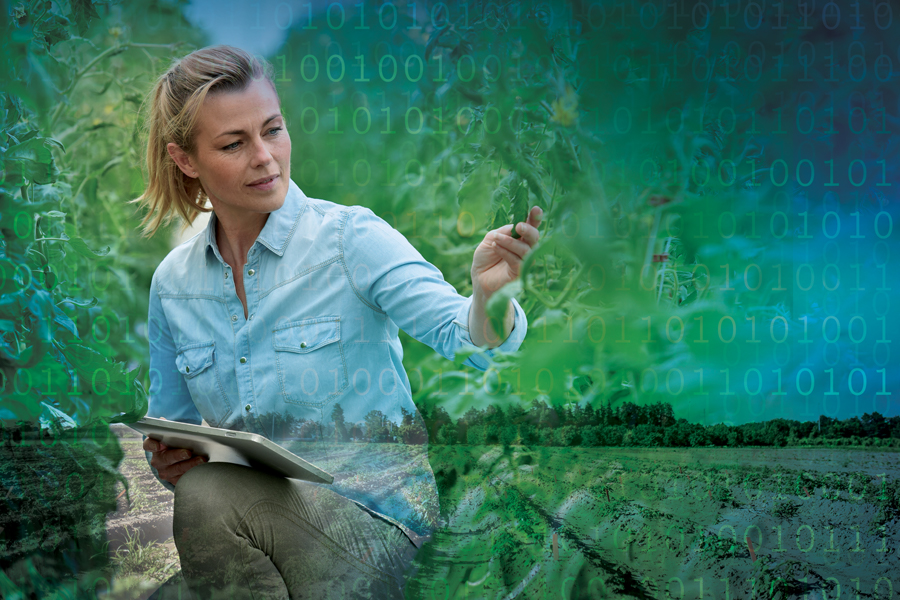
(289, 307)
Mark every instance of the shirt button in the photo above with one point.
(243, 360)
(234, 317)
(251, 272)
(226, 274)
(251, 317)
(303, 344)
(187, 369)
(247, 407)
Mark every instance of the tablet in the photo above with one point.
(239, 447)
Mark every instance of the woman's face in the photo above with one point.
(242, 152)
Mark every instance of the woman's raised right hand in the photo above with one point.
(171, 463)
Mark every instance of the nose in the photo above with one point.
(261, 154)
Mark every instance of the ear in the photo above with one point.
(182, 159)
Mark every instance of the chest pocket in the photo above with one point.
(197, 363)
(310, 360)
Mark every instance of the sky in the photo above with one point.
(259, 27)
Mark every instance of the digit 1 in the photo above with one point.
(830, 164)
(857, 236)
(857, 549)
(387, 176)
(831, 383)
(883, 539)
(883, 391)
(805, 235)
(362, 16)
(884, 182)
(779, 549)
(727, 392)
(362, 75)
(779, 392)
(75, 391)
(440, 59)
(752, 339)
(727, 592)
(779, 288)
(883, 330)
(702, 393)
(727, 274)
(284, 78)
(308, 6)
(805, 320)
(413, 4)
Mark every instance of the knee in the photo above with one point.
(205, 497)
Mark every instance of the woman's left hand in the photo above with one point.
(498, 257)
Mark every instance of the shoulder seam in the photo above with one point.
(347, 211)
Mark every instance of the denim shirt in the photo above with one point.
(327, 287)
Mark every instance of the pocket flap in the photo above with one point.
(307, 335)
(193, 359)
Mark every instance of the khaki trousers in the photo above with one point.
(244, 534)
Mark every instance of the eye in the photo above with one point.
(274, 130)
(232, 146)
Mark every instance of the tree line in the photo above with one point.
(628, 424)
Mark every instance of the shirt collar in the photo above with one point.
(279, 227)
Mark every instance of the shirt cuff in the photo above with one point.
(481, 359)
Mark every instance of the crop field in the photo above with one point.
(522, 522)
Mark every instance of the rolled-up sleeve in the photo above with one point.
(510, 344)
(387, 273)
(169, 395)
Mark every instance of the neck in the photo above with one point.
(235, 237)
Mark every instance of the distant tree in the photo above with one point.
(309, 430)
(590, 436)
(718, 434)
(516, 414)
(678, 435)
(475, 435)
(376, 430)
(434, 420)
(647, 435)
(447, 434)
(340, 427)
(412, 428)
(547, 437)
(507, 435)
(569, 435)
(528, 433)
(614, 435)
(875, 425)
(698, 437)
(492, 433)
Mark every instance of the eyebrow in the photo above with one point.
(242, 132)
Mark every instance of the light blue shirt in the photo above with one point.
(327, 287)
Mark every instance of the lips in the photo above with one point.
(261, 182)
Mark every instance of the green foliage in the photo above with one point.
(70, 363)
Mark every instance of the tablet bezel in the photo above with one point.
(226, 445)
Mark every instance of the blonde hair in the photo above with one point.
(174, 107)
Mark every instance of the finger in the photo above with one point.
(535, 215)
(514, 260)
(151, 445)
(516, 246)
(178, 469)
(174, 455)
(528, 233)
